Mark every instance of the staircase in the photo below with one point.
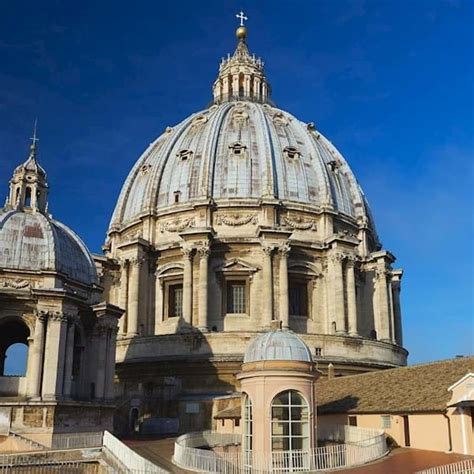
(33, 445)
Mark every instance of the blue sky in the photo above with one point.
(389, 82)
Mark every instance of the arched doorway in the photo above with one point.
(14, 335)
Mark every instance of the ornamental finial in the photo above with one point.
(241, 31)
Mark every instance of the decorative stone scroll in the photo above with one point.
(178, 225)
(232, 220)
(17, 284)
(298, 223)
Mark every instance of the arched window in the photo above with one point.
(290, 422)
(28, 197)
(13, 348)
(247, 439)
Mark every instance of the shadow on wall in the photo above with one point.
(164, 392)
(342, 405)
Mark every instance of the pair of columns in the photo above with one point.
(105, 338)
(387, 293)
(130, 277)
(203, 251)
(344, 263)
(50, 368)
(284, 303)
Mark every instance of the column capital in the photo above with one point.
(337, 257)
(204, 250)
(381, 273)
(284, 249)
(351, 260)
(137, 261)
(41, 315)
(268, 249)
(188, 251)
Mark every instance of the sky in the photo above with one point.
(390, 83)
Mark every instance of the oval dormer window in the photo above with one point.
(184, 154)
(237, 149)
(291, 152)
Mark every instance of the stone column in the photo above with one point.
(69, 358)
(383, 317)
(188, 284)
(284, 302)
(204, 252)
(134, 297)
(158, 303)
(54, 356)
(110, 372)
(338, 312)
(396, 287)
(101, 333)
(267, 300)
(351, 296)
(123, 302)
(35, 368)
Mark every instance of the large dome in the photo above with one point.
(240, 150)
(30, 241)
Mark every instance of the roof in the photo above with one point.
(277, 345)
(234, 412)
(32, 241)
(418, 388)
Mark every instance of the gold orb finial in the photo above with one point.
(241, 33)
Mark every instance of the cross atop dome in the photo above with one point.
(241, 17)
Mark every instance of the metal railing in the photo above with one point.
(462, 467)
(77, 440)
(359, 446)
(32, 465)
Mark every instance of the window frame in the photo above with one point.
(231, 277)
(290, 423)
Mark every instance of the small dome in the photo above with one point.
(33, 241)
(277, 345)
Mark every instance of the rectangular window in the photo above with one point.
(386, 421)
(236, 297)
(353, 421)
(298, 299)
(175, 305)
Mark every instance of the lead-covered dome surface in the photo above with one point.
(240, 150)
(31, 241)
(277, 345)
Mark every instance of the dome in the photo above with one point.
(33, 241)
(240, 150)
(277, 345)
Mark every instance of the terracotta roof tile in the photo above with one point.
(418, 388)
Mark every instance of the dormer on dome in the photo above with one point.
(241, 76)
(29, 186)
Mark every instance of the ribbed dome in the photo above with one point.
(32, 241)
(277, 345)
(240, 150)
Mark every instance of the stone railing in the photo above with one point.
(357, 446)
(12, 385)
(129, 460)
